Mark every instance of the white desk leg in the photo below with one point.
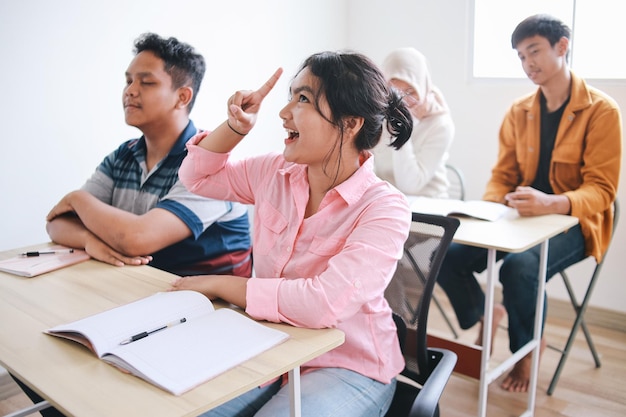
(541, 288)
(30, 410)
(487, 321)
(294, 392)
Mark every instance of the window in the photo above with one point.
(595, 47)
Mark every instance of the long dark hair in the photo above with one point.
(355, 87)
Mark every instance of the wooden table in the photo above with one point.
(514, 234)
(76, 382)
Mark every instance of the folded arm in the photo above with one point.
(127, 233)
(68, 230)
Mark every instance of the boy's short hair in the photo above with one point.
(542, 25)
(181, 61)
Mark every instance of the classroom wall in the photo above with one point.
(62, 76)
(63, 72)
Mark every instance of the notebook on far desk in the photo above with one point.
(478, 209)
(37, 262)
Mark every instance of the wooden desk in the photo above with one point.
(79, 384)
(510, 234)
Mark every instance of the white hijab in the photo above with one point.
(410, 66)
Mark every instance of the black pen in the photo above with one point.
(148, 333)
(48, 252)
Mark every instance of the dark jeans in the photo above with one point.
(518, 275)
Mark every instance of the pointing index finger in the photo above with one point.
(269, 84)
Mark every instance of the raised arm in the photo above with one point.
(243, 107)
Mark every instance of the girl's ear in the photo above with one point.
(352, 125)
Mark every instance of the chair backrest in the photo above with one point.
(456, 189)
(615, 220)
(410, 291)
(615, 216)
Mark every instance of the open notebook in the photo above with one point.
(174, 340)
(479, 209)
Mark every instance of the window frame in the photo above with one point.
(520, 76)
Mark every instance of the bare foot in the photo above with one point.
(518, 379)
(498, 314)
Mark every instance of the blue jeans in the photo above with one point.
(325, 392)
(518, 275)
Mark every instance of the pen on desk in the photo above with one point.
(47, 252)
(148, 333)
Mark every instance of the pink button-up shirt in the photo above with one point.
(328, 270)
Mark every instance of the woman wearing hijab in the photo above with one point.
(418, 167)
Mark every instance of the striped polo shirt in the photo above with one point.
(220, 229)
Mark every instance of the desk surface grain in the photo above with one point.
(78, 383)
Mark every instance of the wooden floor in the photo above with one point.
(583, 390)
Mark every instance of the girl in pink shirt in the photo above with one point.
(327, 232)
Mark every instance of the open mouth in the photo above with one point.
(293, 134)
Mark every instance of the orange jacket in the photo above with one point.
(585, 163)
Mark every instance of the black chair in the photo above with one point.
(427, 370)
(456, 190)
(579, 309)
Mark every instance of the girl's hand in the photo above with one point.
(229, 288)
(243, 106)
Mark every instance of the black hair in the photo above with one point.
(355, 87)
(542, 25)
(181, 61)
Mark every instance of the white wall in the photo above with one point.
(63, 66)
(62, 75)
